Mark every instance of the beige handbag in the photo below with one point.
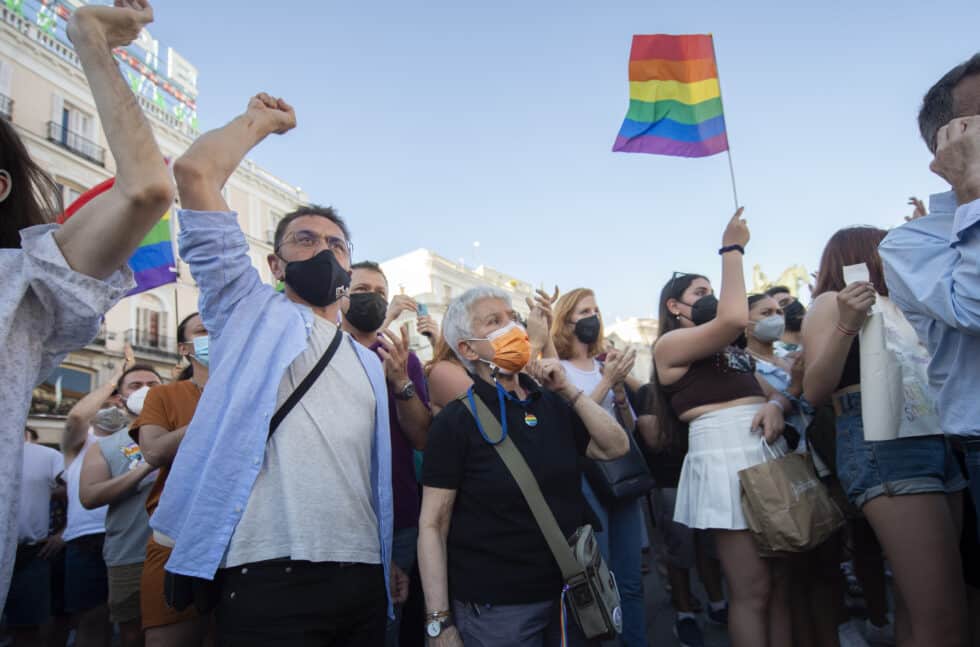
(786, 506)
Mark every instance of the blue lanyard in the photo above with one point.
(503, 415)
(502, 395)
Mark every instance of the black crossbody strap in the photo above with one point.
(307, 382)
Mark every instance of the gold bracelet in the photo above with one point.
(438, 615)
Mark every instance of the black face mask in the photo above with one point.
(587, 330)
(367, 311)
(794, 312)
(704, 309)
(320, 280)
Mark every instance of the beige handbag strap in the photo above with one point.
(518, 467)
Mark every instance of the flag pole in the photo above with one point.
(731, 165)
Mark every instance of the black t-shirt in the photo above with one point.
(496, 551)
(665, 465)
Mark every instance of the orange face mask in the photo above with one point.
(511, 348)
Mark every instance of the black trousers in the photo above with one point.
(284, 603)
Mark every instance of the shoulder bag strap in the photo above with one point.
(529, 487)
(307, 382)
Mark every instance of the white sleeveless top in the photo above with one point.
(81, 522)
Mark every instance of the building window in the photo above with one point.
(75, 130)
(447, 293)
(151, 323)
(61, 391)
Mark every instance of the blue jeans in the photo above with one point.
(620, 542)
(403, 552)
(972, 448)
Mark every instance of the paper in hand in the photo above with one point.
(856, 273)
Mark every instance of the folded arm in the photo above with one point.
(96, 485)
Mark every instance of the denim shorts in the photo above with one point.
(915, 465)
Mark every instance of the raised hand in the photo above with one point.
(618, 365)
(428, 327)
(399, 304)
(736, 231)
(545, 301)
(920, 209)
(271, 115)
(538, 323)
(958, 157)
(115, 26)
(551, 375)
(394, 353)
(854, 303)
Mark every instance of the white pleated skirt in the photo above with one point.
(720, 444)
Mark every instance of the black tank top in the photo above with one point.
(722, 377)
(852, 366)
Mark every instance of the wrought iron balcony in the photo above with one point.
(76, 143)
(145, 342)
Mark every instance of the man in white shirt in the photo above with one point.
(29, 601)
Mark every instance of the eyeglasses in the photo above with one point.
(310, 239)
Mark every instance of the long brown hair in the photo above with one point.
(441, 353)
(34, 199)
(563, 337)
(671, 427)
(851, 246)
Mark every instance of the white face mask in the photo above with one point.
(9, 185)
(136, 399)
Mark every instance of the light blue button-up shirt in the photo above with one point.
(932, 268)
(256, 333)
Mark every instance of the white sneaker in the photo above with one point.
(849, 635)
(880, 635)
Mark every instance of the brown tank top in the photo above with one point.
(725, 376)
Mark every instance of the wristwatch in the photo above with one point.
(435, 627)
(407, 392)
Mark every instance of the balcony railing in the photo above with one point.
(6, 107)
(76, 143)
(146, 343)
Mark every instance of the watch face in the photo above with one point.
(434, 628)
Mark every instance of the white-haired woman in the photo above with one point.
(476, 530)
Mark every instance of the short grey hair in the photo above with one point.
(937, 106)
(457, 325)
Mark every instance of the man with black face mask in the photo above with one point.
(291, 511)
(408, 409)
(792, 339)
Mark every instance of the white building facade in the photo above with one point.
(44, 94)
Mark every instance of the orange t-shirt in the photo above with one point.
(170, 406)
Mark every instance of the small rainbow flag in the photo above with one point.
(153, 261)
(675, 99)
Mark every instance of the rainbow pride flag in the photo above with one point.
(153, 261)
(675, 99)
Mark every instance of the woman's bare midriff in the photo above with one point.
(718, 406)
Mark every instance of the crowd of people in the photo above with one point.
(307, 480)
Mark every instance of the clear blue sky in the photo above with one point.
(436, 124)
